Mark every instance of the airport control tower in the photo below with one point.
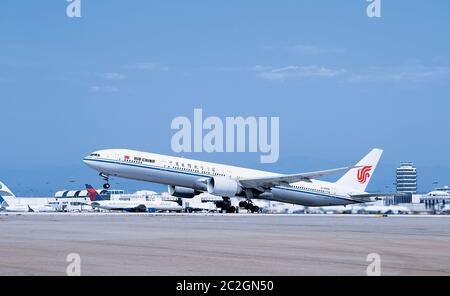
(407, 178)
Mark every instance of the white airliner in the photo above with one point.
(10, 203)
(187, 178)
(97, 202)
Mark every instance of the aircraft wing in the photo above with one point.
(262, 183)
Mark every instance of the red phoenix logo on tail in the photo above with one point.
(364, 174)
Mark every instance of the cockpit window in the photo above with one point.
(95, 154)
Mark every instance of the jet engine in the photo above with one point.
(182, 192)
(222, 186)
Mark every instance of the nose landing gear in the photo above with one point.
(106, 178)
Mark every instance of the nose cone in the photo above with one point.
(90, 159)
(88, 162)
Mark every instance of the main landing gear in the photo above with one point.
(226, 206)
(106, 178)
(249, 206)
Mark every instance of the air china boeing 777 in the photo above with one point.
(187, 178)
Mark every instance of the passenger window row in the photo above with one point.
(311, 189)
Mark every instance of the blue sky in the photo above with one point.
(341, 83)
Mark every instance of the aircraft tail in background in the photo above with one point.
(5, 194)
(93, 194)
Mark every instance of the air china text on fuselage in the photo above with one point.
(188, 178)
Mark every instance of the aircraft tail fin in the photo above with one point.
(93, 194)
(5, 194)
(359, 177)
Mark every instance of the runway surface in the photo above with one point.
(124, 244)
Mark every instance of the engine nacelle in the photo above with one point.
(182, 192)
(222, 186)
